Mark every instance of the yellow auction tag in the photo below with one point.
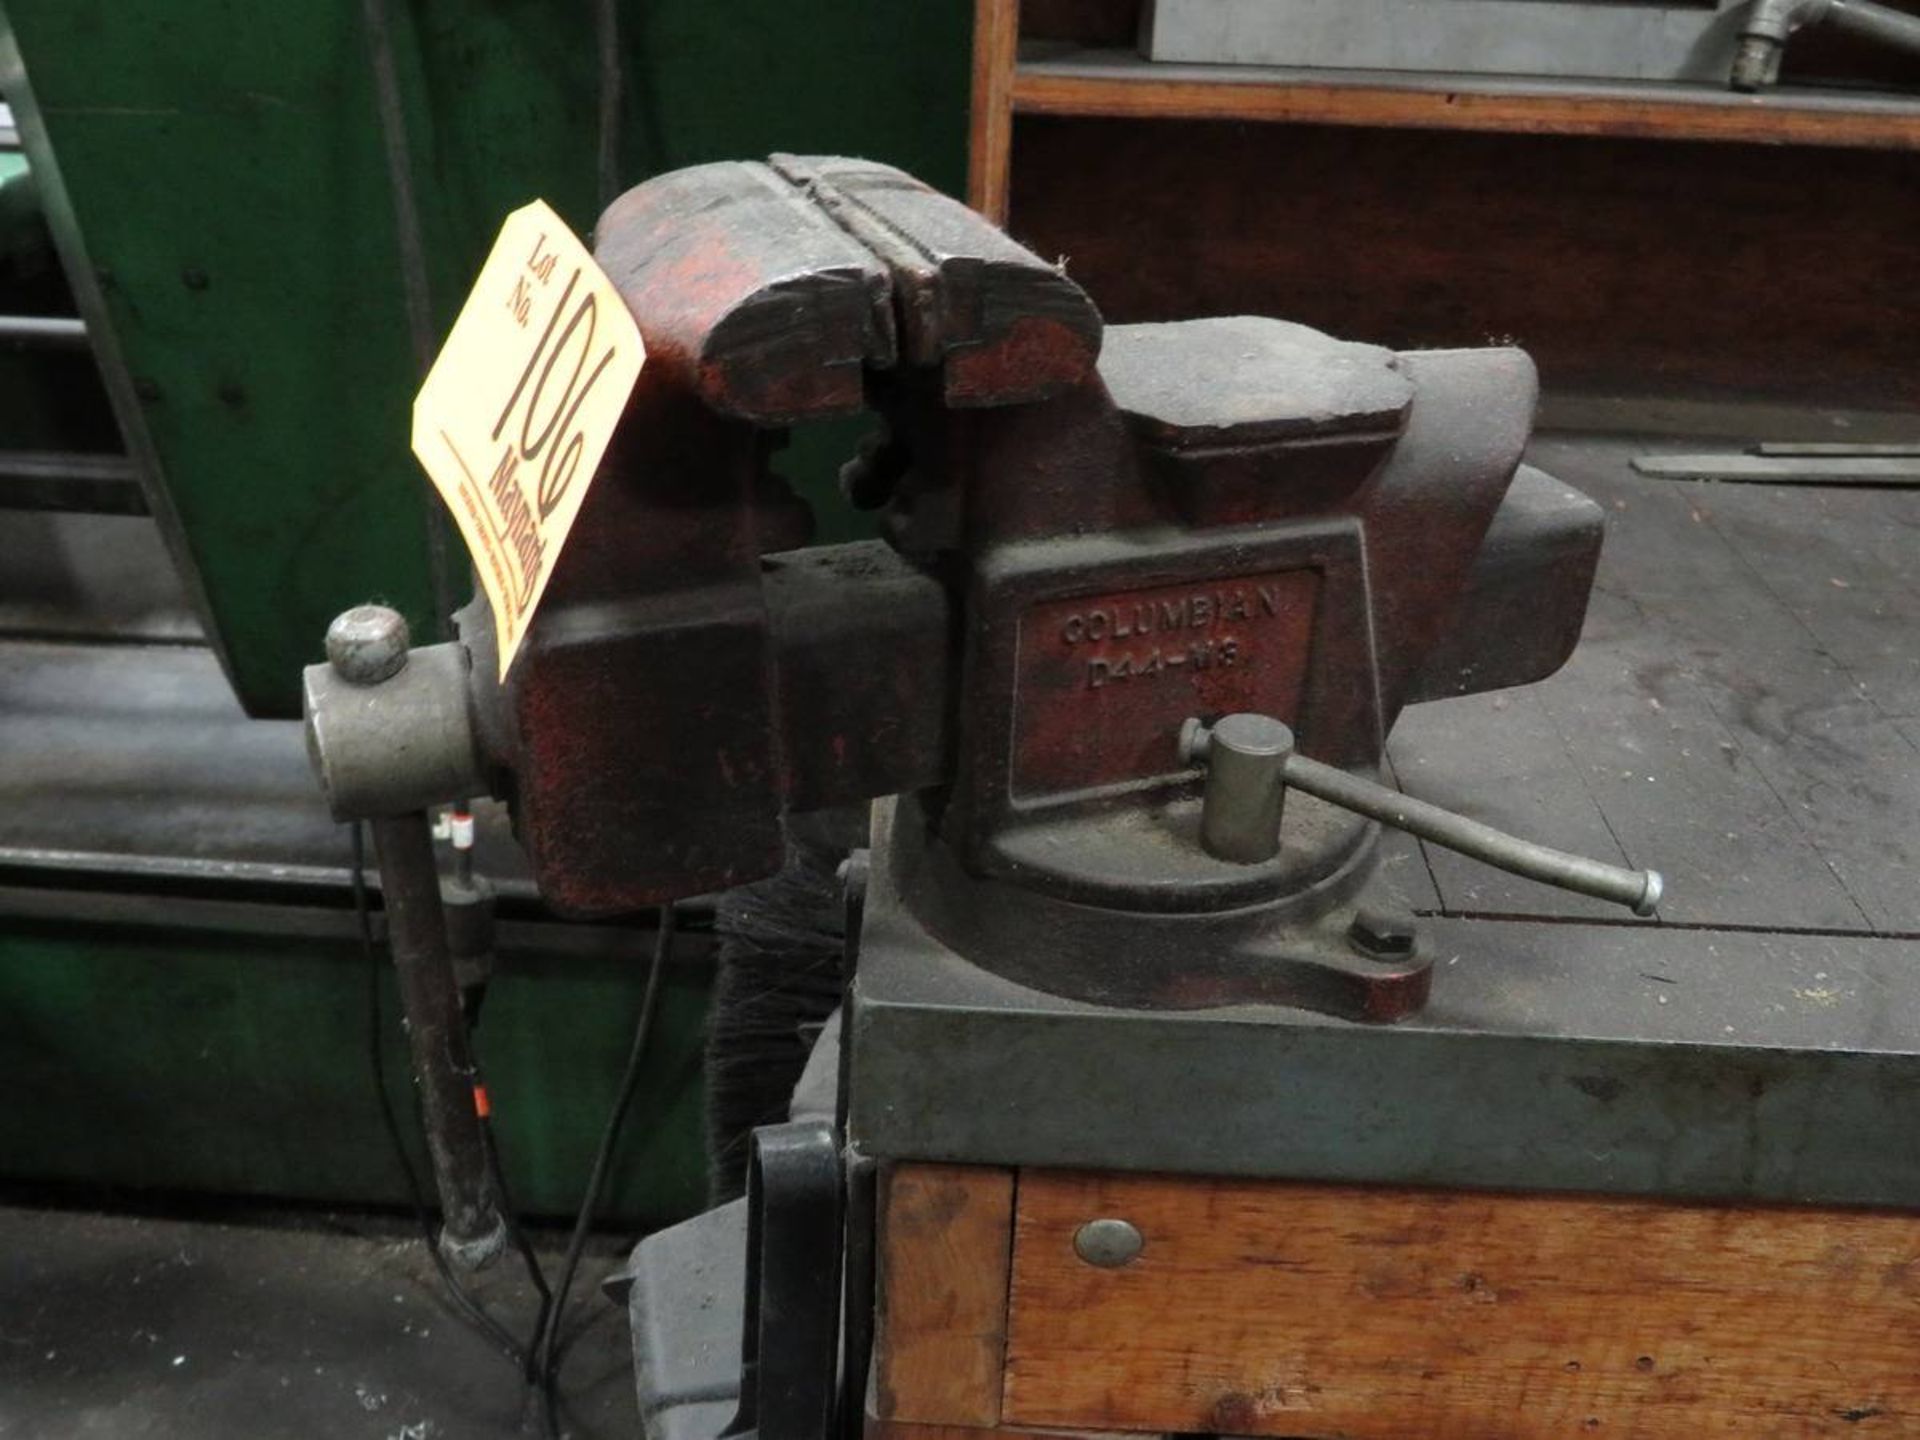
(518, 408)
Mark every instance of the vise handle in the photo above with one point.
(1250, 760)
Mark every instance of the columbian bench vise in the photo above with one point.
(1119, 674)
(1093, 536)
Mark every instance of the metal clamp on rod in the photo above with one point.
(1250, 761)
(367, 648)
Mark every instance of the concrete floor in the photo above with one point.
(272, 1326)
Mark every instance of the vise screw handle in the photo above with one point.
(1250, 762)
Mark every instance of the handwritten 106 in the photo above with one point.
(536, 426)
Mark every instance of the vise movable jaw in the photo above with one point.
(1093, 535)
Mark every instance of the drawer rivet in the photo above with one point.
(1107, 1243)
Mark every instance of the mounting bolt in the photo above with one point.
(1108, 1243)
(367, 644)
(1381, 934)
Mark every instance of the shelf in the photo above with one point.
(1115, 84)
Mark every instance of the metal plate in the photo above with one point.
(1105, 678)
(1635, 40)
(1606, 1058)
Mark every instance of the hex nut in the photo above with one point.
(1381, 934)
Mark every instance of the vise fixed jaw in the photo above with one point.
(774, 292)
(1093, 534)
(688, 682)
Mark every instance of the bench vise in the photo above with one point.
(1137, 584)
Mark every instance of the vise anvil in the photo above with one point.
(1092, 536)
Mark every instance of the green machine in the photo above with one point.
(265, 219)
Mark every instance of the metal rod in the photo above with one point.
(606, 31)
(129, 868)
(1637, 889)
(544, 941)
(1883, 471)
(1770, 24)
(1842, 449)
(73, 482)
(51, 330)
(1880, 23)
(415, 286)
(473, 1230)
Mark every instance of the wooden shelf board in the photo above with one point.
(1117, 84)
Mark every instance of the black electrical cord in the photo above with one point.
(516, 1236)
(550, 1353)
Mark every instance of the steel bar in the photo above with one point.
(1852, 450)
(545, 941)
(70, 482)
(64, 332)
(1895, 471)
(138, 869)
(1771, 24)
(1637, 889)
(473, 1230)
(1879, 23)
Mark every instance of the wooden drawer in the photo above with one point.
(1260, 1308)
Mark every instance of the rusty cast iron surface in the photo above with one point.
(1092, 534)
